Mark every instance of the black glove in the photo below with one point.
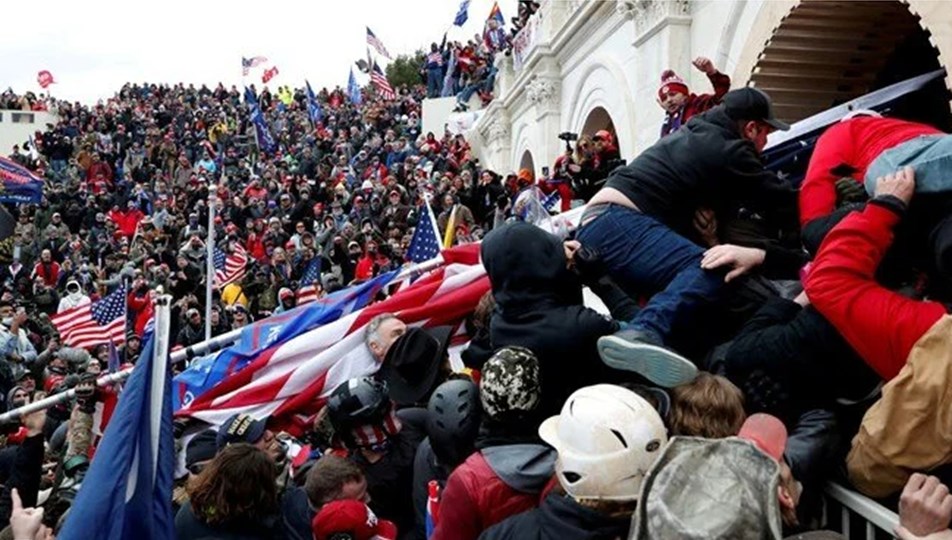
(849, 191)
(87, 393)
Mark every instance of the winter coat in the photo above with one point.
(390, 480)
(539, 306)
(491, 485)
(189, 527)
(705, 163)
(560, 518)
(906, 341)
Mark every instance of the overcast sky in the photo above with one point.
(92, 47)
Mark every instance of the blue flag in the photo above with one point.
(265, 141)
(19, 184)
(127, 492)
(353, 91)
(463, 14)
(208, 371)
(314, 110)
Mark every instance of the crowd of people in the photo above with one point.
(761, 338)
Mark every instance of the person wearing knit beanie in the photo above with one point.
(678, 101)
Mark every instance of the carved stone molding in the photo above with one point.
(651, 15)
(543, 91)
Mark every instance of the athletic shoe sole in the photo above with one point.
(657, 364)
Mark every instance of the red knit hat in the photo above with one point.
(671, 82)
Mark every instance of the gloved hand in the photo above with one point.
(849, 191)
(87, 393)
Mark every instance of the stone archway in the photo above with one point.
(526, 162)
(598, 119)
(810, 55)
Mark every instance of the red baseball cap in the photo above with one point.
(767, 433)
(352, 518)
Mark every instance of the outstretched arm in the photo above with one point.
(881, 325)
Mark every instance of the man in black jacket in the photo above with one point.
(638, 222)
(539, 307)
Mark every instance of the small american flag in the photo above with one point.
(307, 291)
(375, 42)
(248, 63)
(380, 82)
(230, 268)
(425, 244)
(92, 324)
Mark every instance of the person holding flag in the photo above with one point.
(494, 34)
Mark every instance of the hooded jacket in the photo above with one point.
(492, 485)
(72, 300)
(561, 518)
(539, 306)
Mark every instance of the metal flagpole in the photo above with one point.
(163, 319)
(210, 260)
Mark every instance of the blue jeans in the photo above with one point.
(643, 254)
(434, 82)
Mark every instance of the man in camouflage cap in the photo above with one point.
(512, 465)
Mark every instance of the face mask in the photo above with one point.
(7, 321)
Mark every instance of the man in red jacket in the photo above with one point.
(507, 474)
(848, 149)
(908, 342)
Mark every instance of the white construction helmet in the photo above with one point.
(607, 438)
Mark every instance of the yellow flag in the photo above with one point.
(450, 233)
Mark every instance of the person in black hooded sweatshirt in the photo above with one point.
(539, 307)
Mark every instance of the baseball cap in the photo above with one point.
(351, 519)
(240, 428)
(202, 447)
(752, 104)
(767, 433)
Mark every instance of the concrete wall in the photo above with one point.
(17, 127)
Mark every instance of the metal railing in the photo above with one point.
(859, 516)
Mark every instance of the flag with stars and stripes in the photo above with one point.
(307, 289)
(93, 324)
(380, 82)
(230, 268)
(425, 244)
(375, 42)
(248, 63)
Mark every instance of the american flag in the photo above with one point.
(92, 324)
(230, 268)
(425, 244)
(380, 82)
(291, 380)
(375, 42)
(248, 63)
(307, 292)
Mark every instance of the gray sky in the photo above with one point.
(92, 47)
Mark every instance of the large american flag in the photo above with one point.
(380, 82)
(230, 268)
(94, 324)
(375, 42)
(248, 63)
(307, 291)
(290, 381)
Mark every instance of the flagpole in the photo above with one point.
(160, 343)
(210, 259)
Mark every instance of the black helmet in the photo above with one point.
(453, 420)
(358, 402)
